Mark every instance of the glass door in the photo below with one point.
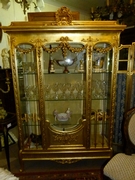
(101, 95)
(64, 82)
(29, 96)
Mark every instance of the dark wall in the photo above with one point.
(128, 35)
(8, 98)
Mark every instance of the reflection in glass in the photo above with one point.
(99, 89)
(29, 67)
(31, 92)
(101, 61)
(98, 62)
(64, 55)
(122, 65)
(123, 54)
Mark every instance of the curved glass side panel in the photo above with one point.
(132, 103)
(64, 77)
(101, 91)
(27, 79)
(123, 59)
(125, 89)
(133, 56)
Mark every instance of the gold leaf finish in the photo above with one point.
(75, 95)
(63, 16)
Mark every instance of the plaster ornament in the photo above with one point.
(5, 58)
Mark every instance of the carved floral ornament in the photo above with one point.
(64, 45)
(103, 50)
(63, 16)
(67, 161)
(65, 138)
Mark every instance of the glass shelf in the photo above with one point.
(56, 100)
(30, 73)
(96, 99)
(64, 99)
(27, 100)
(105, 72)
(58, 73)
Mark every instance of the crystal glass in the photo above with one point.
(47, 91)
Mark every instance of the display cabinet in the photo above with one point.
(64, 75)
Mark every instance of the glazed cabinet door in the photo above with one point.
(102, 77)
(27, 74)
(51, 84)
(64, 77)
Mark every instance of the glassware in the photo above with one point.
(47, 91)
(64, 88)
(55, 89)
(25, 67)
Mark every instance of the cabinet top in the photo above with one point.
(54, 26)
(63, 20)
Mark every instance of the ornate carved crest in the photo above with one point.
(63, 16)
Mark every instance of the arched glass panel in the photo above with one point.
(101, 91)
(29, 97)
(64, 77)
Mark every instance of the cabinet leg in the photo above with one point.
(5, 134)
(0, 145)
(21, 162)
(21, 167)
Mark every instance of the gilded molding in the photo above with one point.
(67, 161)
(90, 39)
(115, 49)
(123, 46)
(26, 50)
(16, 95)
(38, 42)
(88, 101)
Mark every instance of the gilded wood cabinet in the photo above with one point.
(64, 75)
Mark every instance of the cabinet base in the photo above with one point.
(63, 157)
(65, 175)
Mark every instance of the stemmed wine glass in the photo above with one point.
(72, 91)
(104, 89)
(47, 91)
(79, 88)
(55, 89)
(64, 88)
